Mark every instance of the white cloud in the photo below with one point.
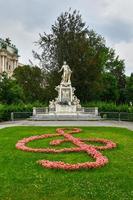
(23, 20)
(119, 9)
(23, 39)
(125, 50)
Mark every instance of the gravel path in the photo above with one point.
(128, 125)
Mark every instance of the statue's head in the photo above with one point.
(64, 63)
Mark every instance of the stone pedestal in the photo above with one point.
(66, 102)
(65, 93)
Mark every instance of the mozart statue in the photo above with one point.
(66, 73)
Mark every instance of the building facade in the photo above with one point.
(8, 57)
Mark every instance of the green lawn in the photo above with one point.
(21, 178)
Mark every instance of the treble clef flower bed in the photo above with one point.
(91, 150)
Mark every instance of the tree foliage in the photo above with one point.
(110, 91)
(129, 88)
(10, 91)
(32, 81)
(85, 52)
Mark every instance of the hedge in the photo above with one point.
(110, 107)
(5, 110)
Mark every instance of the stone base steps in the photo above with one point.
(61, 117)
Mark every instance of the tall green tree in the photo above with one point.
(110, 91)
(129, 89)
(32, 81)
(116, 67)
(85, 52)
(10, 91)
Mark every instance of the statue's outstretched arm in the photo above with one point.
(60, 69)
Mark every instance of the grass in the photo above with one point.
(21, 178)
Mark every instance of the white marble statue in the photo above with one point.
(66, 73)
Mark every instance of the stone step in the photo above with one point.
(47, 117)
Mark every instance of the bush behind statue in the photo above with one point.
(5, 110)
(109, 107)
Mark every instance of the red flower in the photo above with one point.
(91, 150)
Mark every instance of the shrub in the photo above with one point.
(5, 110)
(109, 107)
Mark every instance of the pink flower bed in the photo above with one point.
(91, 150)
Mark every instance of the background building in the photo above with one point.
(8, 56)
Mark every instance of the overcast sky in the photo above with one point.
(23, 20)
